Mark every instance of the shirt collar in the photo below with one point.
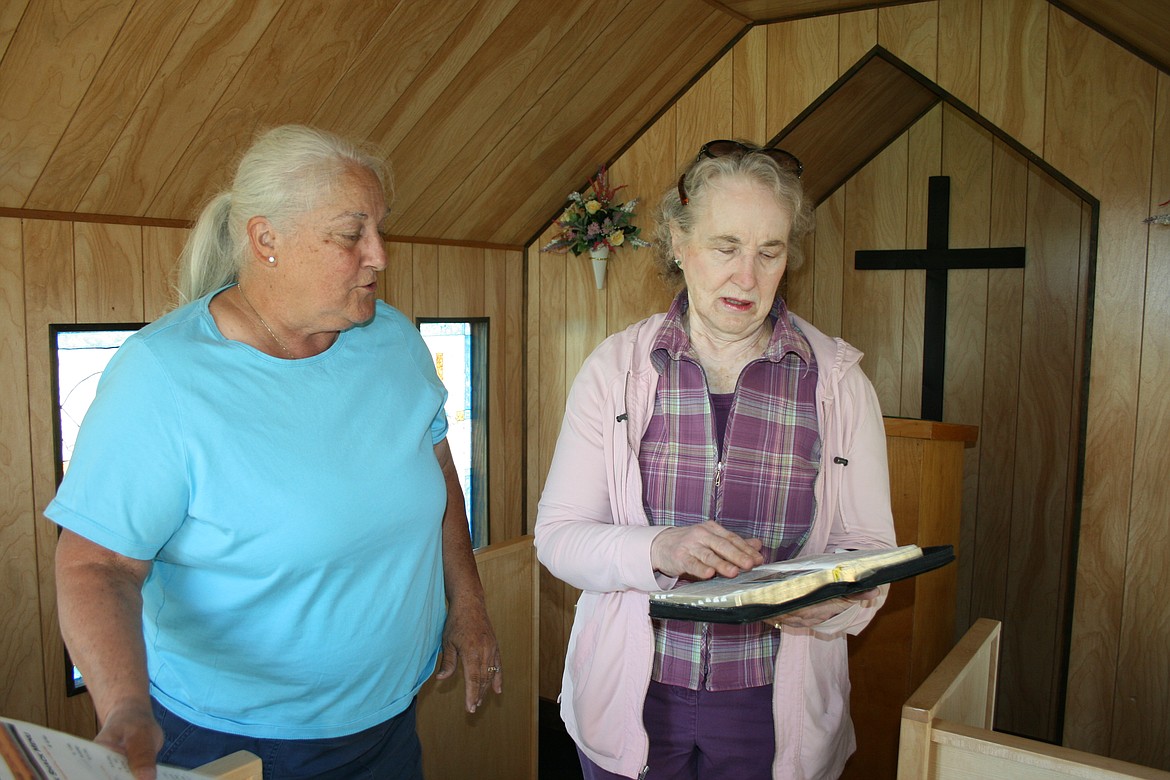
(672, 343)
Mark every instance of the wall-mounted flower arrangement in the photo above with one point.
(595, 222)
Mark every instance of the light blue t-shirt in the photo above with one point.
(292, 509)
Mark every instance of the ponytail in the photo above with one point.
(210, 258)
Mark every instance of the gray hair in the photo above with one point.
(286, 172)
(677, 221)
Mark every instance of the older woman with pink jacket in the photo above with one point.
(707, 440)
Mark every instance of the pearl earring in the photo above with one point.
(271, 260)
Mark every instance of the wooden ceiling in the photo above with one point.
(489, 110)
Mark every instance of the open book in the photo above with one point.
(775, 588)
(31, 752)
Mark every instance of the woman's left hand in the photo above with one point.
(815, 614)
(468, 637)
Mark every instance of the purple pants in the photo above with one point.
(704, 735)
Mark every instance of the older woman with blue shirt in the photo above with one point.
(725, 433)
(264, 542)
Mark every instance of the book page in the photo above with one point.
(775, 583)
(760, 585)
(851, 564)
(31, 752)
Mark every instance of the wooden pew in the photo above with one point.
(500, 739)
(946, 727)
(240, 765)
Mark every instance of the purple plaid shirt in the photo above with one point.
(760, 485)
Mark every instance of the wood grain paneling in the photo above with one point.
(797, 289)
(1014, 65)
(1136, 22)
(749, 86)
(197, 71)
(1142, 698)
(535, 466)
(398, 278)
(1037, 557)
(827, 267)
(317, 47)
(135, 109)
(644, 76)
(107, 261)
(66, 40)
(857, 34)
(143, 41)
(1086, 115)
(549, 392)
(910, 32)
(425, 280)
(925, 150)
(161, 248)
(704, 113)
(872, 300)
(109, 104)
(10, 14)
(49, 292)
(22, 676)
(997, 426)
(802, 59)
(461, 273)
(959, 24)
(437, 44)
(509, 465)
(506, 517)
(504, 61)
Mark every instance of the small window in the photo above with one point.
(459, 349)
(78, 354)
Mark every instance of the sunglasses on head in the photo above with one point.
(786, 160)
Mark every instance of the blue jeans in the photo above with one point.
(388, 750)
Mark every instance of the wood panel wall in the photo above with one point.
(66, 272)
(1078, 104)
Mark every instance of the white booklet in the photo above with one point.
(31, 752)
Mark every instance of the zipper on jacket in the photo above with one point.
(718, 473)
(642, 774)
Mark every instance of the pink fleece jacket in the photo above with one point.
(591, 531)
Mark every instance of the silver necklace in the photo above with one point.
(275, 338)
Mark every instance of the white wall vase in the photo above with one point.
(600, 256)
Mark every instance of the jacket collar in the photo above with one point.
(671, 341)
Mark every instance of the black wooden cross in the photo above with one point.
(936, 260)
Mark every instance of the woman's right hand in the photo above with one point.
(702, 551)
(133, 732)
